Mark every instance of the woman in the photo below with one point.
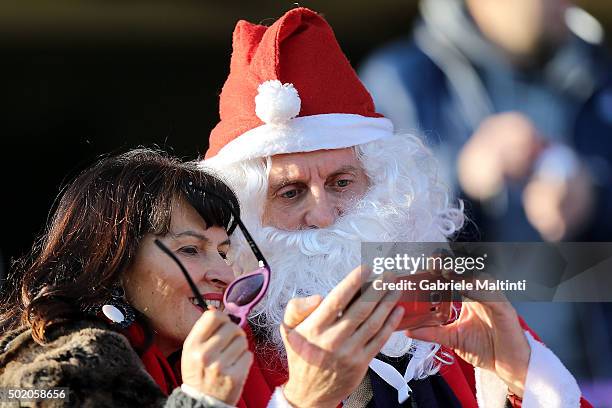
(100, 309)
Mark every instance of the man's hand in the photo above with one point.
(487, 335)
(330, 343)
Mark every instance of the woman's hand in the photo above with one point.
(487, 335)
(216, 359)
(330, 343)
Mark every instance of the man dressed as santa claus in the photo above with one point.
(318, 172)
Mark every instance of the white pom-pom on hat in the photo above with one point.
(276, 103)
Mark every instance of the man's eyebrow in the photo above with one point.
(285, 181)
(226, 242)
(346, 169)
(190, 233)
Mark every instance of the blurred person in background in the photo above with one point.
(515, 97)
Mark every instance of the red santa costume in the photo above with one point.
(290, 90)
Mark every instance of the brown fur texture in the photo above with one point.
(97, 364)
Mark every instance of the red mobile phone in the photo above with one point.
(423, 308)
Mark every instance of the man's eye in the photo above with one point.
(290, 194)
(189, 250)
(343, 183)
(223, 254)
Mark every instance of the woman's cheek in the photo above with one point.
(184, 319)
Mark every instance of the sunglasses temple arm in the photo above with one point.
(251, 241)
(242, 227)
(192, 285)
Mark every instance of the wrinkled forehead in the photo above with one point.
(320, 163)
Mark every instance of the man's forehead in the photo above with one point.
(322, 162)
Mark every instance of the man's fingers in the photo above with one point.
(488, 298)
(339, 298)
(439, 334)
(364, 305)
(370, 296)
(299, 309)
(370, 327)
(374, 346)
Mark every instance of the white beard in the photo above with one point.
(406, 205)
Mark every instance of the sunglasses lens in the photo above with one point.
(243, 291)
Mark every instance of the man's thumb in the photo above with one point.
(298, 309)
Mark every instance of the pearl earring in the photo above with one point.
(117, 310)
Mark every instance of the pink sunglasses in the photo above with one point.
(245, 291)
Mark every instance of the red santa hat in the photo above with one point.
(291, 89)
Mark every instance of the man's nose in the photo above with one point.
(322, 211)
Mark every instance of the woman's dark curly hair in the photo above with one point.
(95, 232)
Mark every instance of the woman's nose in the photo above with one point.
(220, 276)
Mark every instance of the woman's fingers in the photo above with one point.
(240, 368)
(206, 326)
(216, 358)
(216, 350)
(223, 337)
(234, 350)
(230, 384)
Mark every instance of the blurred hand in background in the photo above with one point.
(504, 147)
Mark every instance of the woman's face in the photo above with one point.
(156, 287)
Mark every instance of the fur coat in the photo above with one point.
(96, 364)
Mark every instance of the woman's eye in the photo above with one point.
(225, 257)
(190, 250)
